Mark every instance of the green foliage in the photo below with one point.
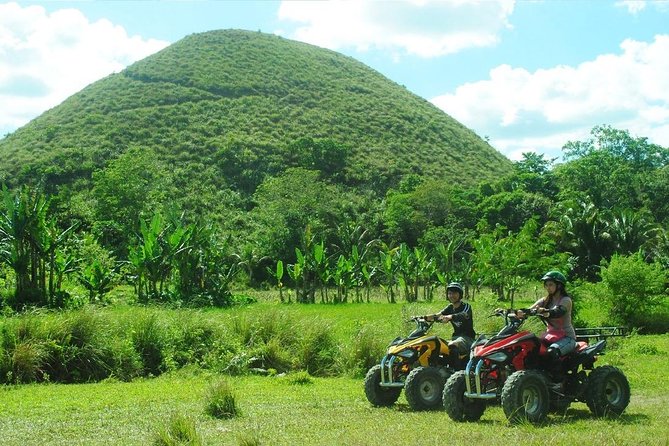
(129, 186)
(513, 209)
(221, 402)
(431, 204)
(612, 169)
(317, 350)
(635, 289)
(504, 260)
(150, 339)
(98, 268)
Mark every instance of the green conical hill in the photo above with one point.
(235, 103)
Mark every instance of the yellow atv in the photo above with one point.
(419, 363)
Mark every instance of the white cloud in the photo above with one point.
(633, 6)
(435, 27)
(629, 90)
(44, 58)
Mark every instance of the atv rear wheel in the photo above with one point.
(607, 392)
(377, 395)
(423, 388)
(525, 397)
(457, 405)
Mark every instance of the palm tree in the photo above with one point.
(631, 231)
(583, 231)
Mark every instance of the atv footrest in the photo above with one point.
(395, 384)
(482, 396)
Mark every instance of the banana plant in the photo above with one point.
(97, 278)
(343, 276)
(322, 267)
(388, 265)
(278, 275)
(295, 274)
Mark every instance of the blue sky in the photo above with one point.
(527, 75)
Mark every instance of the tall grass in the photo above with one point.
(92, 344)
(221, 401)
(180, 430)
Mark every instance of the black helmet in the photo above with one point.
(456, 286)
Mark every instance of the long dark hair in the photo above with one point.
(561, 288)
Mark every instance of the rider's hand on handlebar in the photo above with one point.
(444, 317)
(501, 312)
(542, 312)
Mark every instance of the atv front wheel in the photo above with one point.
(607, 392)
(423, 388)
(457, 405)
(377, 395)
(525, 397)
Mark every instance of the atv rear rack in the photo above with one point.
(599, 333)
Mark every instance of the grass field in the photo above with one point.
(276, 410)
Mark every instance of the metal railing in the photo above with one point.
(585, 334)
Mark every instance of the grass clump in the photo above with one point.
(300, 378)
(221, 401)
(248, 439)
(179, 431)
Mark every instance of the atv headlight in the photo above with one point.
(498, 357)
(407, 354)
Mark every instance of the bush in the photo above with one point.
(150, 340)
(77, 348)
(26, 363)
(635, 289)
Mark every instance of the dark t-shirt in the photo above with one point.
(463, 320)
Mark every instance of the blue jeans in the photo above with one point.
(565, 345)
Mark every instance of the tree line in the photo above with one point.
(302, 231)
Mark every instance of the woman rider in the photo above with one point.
(555, 309)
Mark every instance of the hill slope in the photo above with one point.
(234, 103)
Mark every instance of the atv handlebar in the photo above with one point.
(514, 313)
(427, 320)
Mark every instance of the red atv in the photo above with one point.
(513, 367)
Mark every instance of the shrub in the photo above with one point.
(194, 337)
(221, 401)
(272, 355)
(126, 362)
(78, 348)
(179, 431)
(26, 363)
(150, 340)
(635, 289)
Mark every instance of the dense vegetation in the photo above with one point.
(236, 159)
